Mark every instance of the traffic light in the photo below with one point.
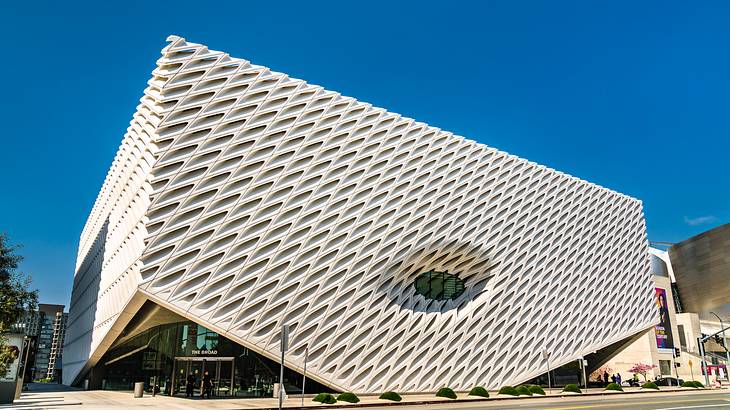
(718, 340)
(676, 352)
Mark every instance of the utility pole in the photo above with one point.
(724, 346)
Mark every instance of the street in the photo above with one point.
(669, 401)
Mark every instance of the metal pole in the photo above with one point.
(583, 366)
(304, 380)
(281, 381)
(724, 345)
(546, 355)
(25, 361)
(703, 363)
(284, 345)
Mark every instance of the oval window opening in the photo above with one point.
(439, 285)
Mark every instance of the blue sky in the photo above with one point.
(629, 95)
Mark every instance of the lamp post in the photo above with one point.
(546, 356)
(724, 346)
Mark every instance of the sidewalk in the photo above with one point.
(61, 397)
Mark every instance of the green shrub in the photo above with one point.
(325, 398)
(446, 392)
(689, 383)
(571, 388)
(524, 390)
(698, 385)
(509, 391)
(479, 391)
(614, 387)
(348, 397)
(390, 395)
(534, 389)
(650, 385)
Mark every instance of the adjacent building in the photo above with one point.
(45, 329)
(400, 256)
(692, 298)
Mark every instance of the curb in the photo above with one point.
(485, 399)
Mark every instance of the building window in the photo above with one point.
(439, 285)
(665, 367)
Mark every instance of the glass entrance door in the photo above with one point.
(220, 370)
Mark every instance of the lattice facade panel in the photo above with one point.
(271, 201)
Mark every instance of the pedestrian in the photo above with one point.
(189, 385)
(605, 377)
(618, 378)
(206, 386)
(613, 378)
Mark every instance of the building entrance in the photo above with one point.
(220, 370)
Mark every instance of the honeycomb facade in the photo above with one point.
(243, 200)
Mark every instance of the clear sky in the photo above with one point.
(629, 95)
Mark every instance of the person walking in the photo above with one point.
(618, 378)
(189, 385)
(613, 378)
(605, 377)
(206, 386)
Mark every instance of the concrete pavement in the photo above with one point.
(61, 397)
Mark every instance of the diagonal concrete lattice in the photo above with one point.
(244, 199)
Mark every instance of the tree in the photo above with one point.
(15, 298)
(642, 369)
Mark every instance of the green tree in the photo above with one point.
(16, 298)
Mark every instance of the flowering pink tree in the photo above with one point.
(642, 369)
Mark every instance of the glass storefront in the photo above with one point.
(165, 356)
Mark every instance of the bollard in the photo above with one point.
(138, 389)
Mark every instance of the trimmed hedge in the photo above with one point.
(391, 395)
(689, 383)
(325, 398)
(446, 392)
(614, 387)
(534, 389)
(479, 391)
(348, 397)
(572, 388)
(698, 385)
(650, 385)
(509, 391)
(524, 390)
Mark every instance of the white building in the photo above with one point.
(402, 257)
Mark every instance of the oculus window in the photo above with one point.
(436, 285)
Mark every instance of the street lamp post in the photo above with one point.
(724, 346)
(546, 356)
